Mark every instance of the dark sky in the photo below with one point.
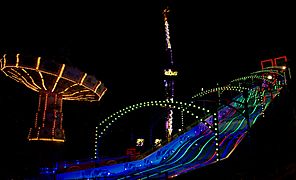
(123, 44)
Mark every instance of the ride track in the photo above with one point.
(209, 140)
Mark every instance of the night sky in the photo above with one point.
(123, 45)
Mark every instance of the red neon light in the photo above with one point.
(264, 61)
(279, 58)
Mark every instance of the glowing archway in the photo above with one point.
(252, 77)
(186, 107)
(222, 88)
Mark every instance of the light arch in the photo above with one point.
(187, 107)
(221, 88)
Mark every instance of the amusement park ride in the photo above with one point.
(212, 136)
(54, 83)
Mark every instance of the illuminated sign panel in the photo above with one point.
(140, 142)
(169, 72)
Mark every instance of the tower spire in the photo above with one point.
(169, 73)
(167, 35)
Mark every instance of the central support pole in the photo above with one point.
(216, 126)
(246, 108)
(49, 117)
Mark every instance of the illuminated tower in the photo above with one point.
(169, 73)
(54, 83)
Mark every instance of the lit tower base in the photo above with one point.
(54, 83)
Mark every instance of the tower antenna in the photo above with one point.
(170, 74)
